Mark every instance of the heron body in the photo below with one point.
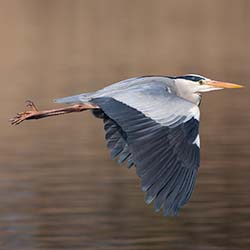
(152, 123)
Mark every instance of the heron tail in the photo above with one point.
(82, 98)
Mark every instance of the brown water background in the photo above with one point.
(58, 187)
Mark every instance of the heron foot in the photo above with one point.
(28, 114)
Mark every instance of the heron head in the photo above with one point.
(191, 86)
(200, 84)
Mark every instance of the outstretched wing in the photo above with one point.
(159, 133)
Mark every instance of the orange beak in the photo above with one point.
(223, 85)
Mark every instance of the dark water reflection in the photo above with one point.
(58, 187)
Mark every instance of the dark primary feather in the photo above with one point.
(166, 158)
(116, 139)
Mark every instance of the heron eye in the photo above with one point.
(201, 82)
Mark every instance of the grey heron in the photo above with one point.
(152, 122)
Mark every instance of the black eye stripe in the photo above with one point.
(191, 78)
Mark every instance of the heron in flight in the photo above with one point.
(152, 122)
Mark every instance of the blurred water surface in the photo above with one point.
(58, 187)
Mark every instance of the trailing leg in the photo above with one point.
(33, 113)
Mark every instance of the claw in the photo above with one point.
(30, 104)
(22, 116)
